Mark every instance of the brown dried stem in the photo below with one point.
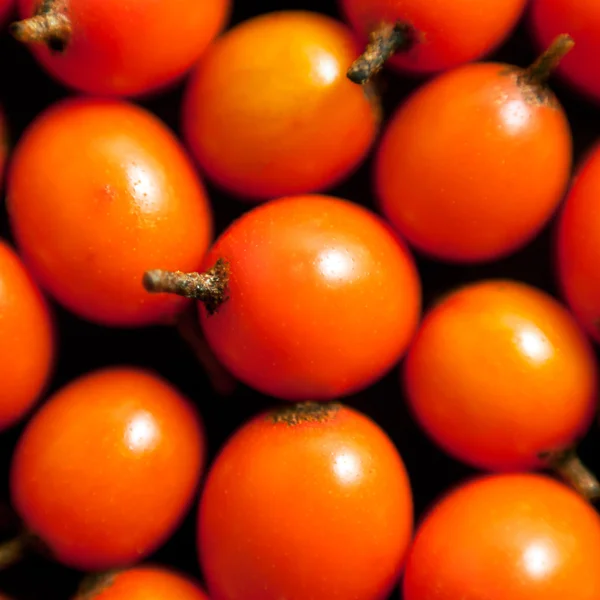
(222, 382)
(15, 549)
(385, 41)
(569, 467)
(50, 25)
(94, 584)
(209, 287)
(543, 67)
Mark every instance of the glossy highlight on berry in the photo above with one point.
(524, 537)
(268, 111)
(97, 190)
(305, 501)
(67, 476)
(321, 298)
(475, 162)
(515, 377)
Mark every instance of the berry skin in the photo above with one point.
(500, 374)
(269, 112)
(106, 469)
(577, 252)
(6, 9)
(310, 501)
(145, 582)
(475, 162)
(116, 48)
(322, 298)
(26, 339)
(521, 536)
(438, 35)
(549, 18)
(98, 189)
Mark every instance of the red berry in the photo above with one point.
(311, 501)
(97, 190)
(577, 252)
(116, 48)
(475, 162)
(146, 582)
(107, 468)
(500, 374)
(322, 297)
(581, 20)
(426, 37)
(269, 111)
(517, 537)
(26, 339)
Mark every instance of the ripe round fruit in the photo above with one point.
(26, 339)
(269, 111)
(518, 536)
(146, 582)
(500, 373)
(115, 48)
(443, 34)
(322, 298)
(107, 468)
(581, 20)
(310, 501)
(577, 252)
(475, 162)
(97, 190)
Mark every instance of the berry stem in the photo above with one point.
(209, 287)
(222, 382)
(93, 584)
(543, 67)
(385, 41)
(50, 25)
(569, 467)
(15, 549)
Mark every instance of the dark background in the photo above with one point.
(25, 90)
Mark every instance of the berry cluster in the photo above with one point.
(299, 303)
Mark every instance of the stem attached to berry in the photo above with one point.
(543, 67)
(222, 382)
(385, 41)
(569, 467)
(209, 287)
(15, 549)
(93, 584)
(50, 26)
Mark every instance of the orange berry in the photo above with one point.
(269, 111)
(26, 339)
(97, 191)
